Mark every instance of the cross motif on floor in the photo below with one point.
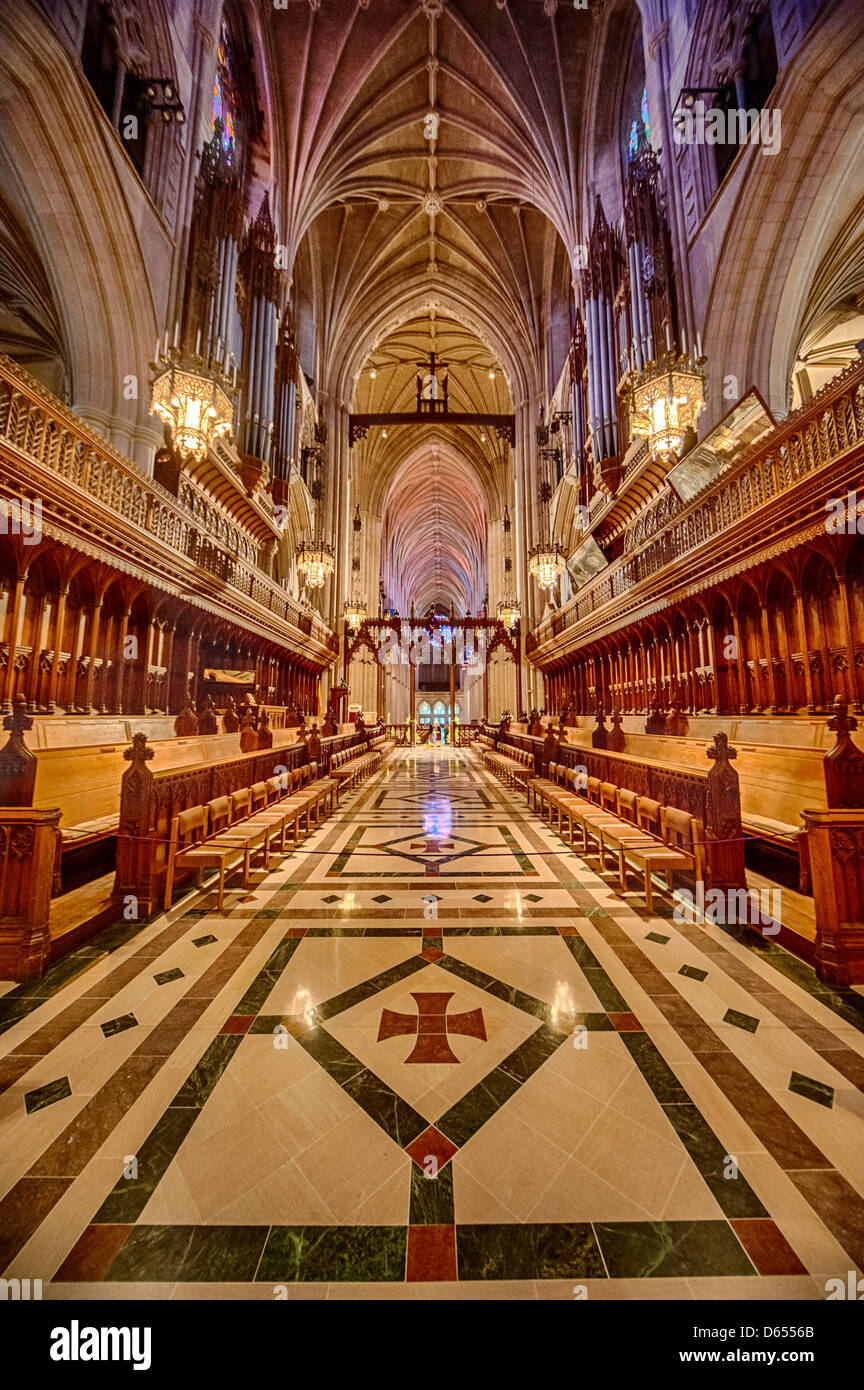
(432, 845)
(432, 1025)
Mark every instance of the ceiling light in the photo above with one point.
(372, 373)
(491, 373)
(383, 434)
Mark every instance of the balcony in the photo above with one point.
(94, 499)
(773, 499)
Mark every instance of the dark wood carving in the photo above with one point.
(600, 735)
(844, 764)
(230, 719)
(17, 763)
(207, 717)
(186, 723)
(615, 736)
(723, 816)
(248, 734)
(265, 733)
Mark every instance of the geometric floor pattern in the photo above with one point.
(433, 1053)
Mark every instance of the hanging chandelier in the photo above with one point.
(509, 610)
(316, 560)
(665, 400)
(194, 398)
(546, 562)
(546, 559)
(354, 608)
(355, 613)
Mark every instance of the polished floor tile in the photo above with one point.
(431, 1054)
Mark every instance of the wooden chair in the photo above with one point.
(190, 848)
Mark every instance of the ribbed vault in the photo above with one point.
(433, 536)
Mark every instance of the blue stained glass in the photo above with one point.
(222, 109)
(641, 119)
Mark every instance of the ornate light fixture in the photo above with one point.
(665, 400)
(354, 608)
(316, 558)
(546, 559)
(195, 398)
(509, 610)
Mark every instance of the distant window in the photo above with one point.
(424, 712)
(223, 100)
(640, 127)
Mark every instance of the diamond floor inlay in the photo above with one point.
(508, 1081)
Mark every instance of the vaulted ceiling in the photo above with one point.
(426, 157)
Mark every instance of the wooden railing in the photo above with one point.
(809, 439)
(40, 426)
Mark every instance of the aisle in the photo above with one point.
(432, 1055)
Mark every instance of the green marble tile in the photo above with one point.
(48, 1094)
(530, 1251)
(130, 1196)
(347, 999)
(733, 1194)
(693, 972)
(204, 940)
(526, 1059)
(739, 1020)
(152, 1255)
(431, 1201)
(813, 1090)
(671, 1249)
(483, 1101)
(336, 1060)
(271, 971)
(166, 976)
(660, 1077)
(205, 1076)
(395, 1116)
(119, 1025)
(656, 936)
(333, 1254)
(223, 1254)
(612, 1001)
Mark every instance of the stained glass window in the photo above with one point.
(641, 120)
(223, 109)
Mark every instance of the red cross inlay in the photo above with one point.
(431, 1025)
(432, 845)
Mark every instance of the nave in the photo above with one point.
(431, 1053)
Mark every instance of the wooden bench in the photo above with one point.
(512, 767)
(777, 780)
(227, 831)
(150, 799)
(382, 745)
(635, 829)
(351, 766)
(708, 792)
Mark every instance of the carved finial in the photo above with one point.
(720, 750)
(19, 721)
(139, 753)
(841, 721)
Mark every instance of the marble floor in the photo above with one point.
(431, 1054)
